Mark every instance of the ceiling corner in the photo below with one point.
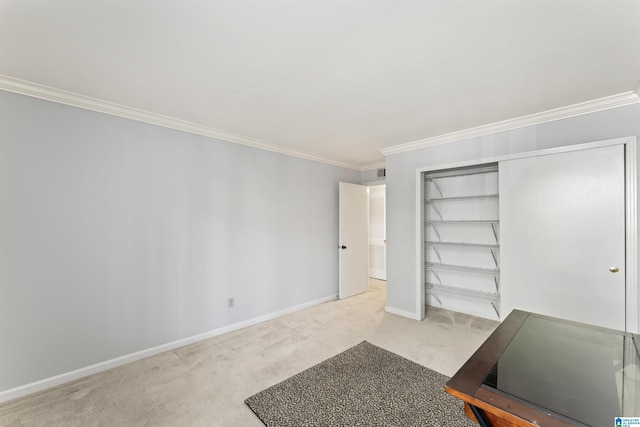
(372, 166)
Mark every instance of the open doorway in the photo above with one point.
(377, 232)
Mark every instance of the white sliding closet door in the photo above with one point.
(562, 220)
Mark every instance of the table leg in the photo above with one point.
(479, 416)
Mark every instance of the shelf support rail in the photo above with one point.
(495, 300)
(435, 274)
(435, 295)
(435, 184)
(437, 252)
(436, 210)
(495, 231)
(436, 230)
(495, 307)
(495, 257)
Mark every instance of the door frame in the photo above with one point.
(384, 231)
(632, 294)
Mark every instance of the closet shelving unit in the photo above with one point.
(462, 240)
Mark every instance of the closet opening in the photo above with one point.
(461, 240)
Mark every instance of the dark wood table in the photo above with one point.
(537, 370)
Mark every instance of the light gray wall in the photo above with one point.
(401, 180)
(370, 176)
(117, 236)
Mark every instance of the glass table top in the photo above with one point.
(585, 374)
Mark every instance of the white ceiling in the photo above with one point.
(339, 79)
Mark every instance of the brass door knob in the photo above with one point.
(614, 269)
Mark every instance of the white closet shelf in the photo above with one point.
(461, 244)
(458, 173)
(459, 198)
(488, 296)
(479, 270)
(457, 221)
(492, 298)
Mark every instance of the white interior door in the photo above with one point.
(562, 223)
(377, 233)
(353, 232)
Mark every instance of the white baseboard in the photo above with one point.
(46, 383)
(402, 313)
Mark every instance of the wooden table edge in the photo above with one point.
(496, 416)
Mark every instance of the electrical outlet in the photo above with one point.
(231, 302)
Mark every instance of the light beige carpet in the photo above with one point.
(206, 383)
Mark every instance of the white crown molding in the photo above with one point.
(600, 104)
(23, 87)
